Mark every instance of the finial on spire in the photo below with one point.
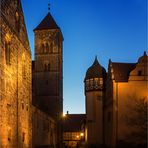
(145, 53)
(96, 61)
(48, 6)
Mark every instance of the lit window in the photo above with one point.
(101, 81)
(91, 83)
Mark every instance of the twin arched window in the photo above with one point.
(46, 48)
(46, 67)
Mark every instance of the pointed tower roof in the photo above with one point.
(47, 23)
(95, 71)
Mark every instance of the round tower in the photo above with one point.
(94, 93)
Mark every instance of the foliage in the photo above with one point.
(136, 119)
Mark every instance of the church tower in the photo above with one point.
(48, 69)
(94, 94)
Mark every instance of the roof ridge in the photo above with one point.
(48, 22)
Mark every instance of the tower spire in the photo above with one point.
(96, 61)
(48, 7)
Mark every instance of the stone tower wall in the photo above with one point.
(48, 71)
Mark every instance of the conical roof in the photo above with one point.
(47, 23)
(143, 58)
(95, 71)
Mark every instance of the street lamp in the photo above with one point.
(81, 134)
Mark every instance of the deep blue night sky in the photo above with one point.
(110, 29)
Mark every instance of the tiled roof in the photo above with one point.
(73, 122)
(121, 71)
(95, 71)
(47, 23)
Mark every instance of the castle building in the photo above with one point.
(94, 91)
(126, 87)
(48, 71)
(116, 104)
(74, 130)
(15, 78)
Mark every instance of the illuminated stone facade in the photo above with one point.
(43, 129)
(15, 78)
(109, 106)
(126, 83)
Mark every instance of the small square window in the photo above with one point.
(139, 73)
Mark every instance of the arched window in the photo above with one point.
(47, 48)
(42, 50)
(17, 21)
(51, 48)
(7, 52)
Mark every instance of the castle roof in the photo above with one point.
(121, 71)
(143, 58)
(95, 71)
(73, 122)
(47, 23)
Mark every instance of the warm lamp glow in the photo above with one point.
(64, 115)
(77, 136)
(82, 134)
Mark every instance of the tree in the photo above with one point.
(136, 120)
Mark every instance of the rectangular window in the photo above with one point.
(139, 73)
(23, 136)
(7, 52)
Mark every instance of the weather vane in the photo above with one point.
(48, 6)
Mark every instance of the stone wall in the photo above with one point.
(44, 129)
(15, 78)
